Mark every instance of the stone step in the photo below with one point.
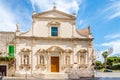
(54, 76)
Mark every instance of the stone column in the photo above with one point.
(78, 58)
(18, 57)
(37, 59)
(49, 63)
(71, 58)
(86, 61)
(64, 58)
(22, 58)
(75, 56)
(88, 55)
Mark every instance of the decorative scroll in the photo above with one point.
(25, 66)
(55, 49)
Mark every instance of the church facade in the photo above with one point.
(53, 45)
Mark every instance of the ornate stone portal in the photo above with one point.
(25, 59)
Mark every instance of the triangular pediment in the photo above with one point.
(54, 14)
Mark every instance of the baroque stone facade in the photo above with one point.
(53, 45)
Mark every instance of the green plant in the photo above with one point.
(116, 66)
(105, 54)
(98, 65)
(6, 59)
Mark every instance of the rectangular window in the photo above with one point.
(11, 50)
(54, 31)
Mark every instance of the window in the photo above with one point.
(54, 31)
(11, 50)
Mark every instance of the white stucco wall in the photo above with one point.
(45, 44)
(67, 28)
(39, 37)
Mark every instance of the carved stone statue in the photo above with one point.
(67, 59)
(41, 59)
(26, 59)
(18, 27)
(82, 58)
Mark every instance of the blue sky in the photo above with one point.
(102, 15)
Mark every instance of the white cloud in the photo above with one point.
(7, 21)
(112, 36)
(63, 5)
(81, 22)
(115, 44)
(115, 15)
(114, 0)
(112, 10)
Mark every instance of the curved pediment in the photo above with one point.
(40, 51)
(83, 50)
(25, 51)
(53, 23)
(55, 49)
(68, 50)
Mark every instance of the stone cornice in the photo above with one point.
(54, 10)
(54, 23)
(53, 18)
(53, 38)
(5, 32)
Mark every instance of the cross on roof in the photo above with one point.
(54, 5)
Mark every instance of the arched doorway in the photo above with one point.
(3, 70)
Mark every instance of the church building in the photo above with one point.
(53, 45)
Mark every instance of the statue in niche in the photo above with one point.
(82, 58)
(26, 59)
(41, 59)
(67, 59)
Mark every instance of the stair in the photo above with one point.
(54, 76)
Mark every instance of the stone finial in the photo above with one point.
(18, 27)
(54, 6)
(74, 14)
(89, 29)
